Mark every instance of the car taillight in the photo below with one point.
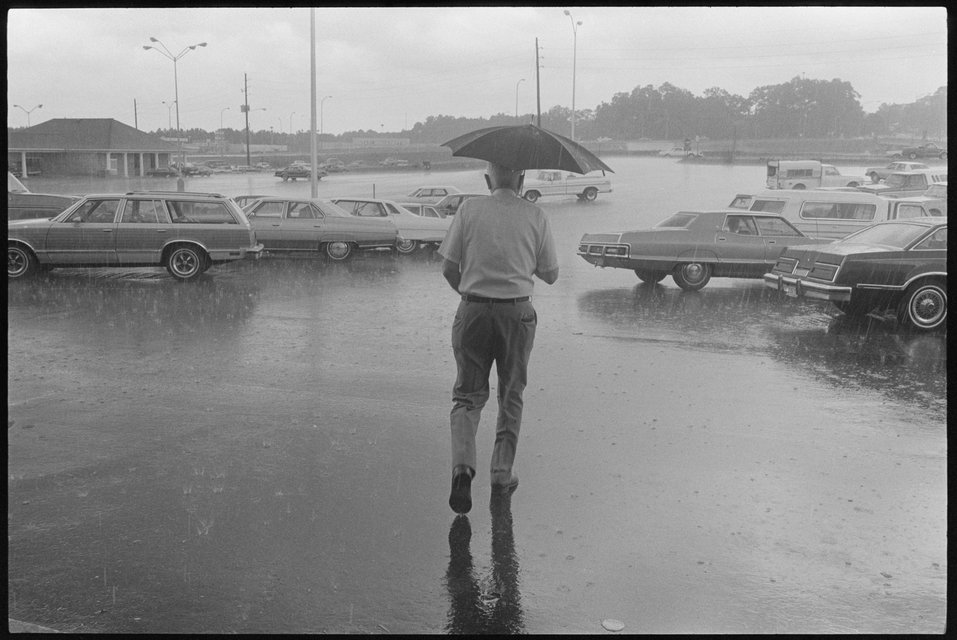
(785, 265)
(823, 272)
(617, 250)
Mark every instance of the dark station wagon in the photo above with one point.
(185, 232)
(899, 265)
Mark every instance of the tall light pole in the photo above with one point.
(320, 118)
(290, 121)
(166, 52)
(575, 26)
(221, 117)
(39, 106)
(169, 113)
(516, 95)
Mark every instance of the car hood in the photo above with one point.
(30, 223)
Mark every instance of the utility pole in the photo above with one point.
(135, 119)
(538, 85)
(245, 109)
(313, 175)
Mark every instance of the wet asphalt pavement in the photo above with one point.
(266, 450)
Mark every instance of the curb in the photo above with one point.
(15, 626)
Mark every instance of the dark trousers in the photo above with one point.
(483, 333)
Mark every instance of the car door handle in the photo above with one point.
(721, 238)
(772, 241)
(277, 224)
(107, 230)
(162, 230)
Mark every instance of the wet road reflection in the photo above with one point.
(491, 604)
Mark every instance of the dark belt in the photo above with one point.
(469, 298)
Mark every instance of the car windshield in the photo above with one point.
(895, 180)
(679, 220)
(14, 185)
(895, 235)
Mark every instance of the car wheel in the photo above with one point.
(338, 250)
(924, 306)
(799, 187)
(532, 196)
(21, 263)
(285, 178)
(912, 155)
(852, 184)
(874, 177)
(186, 263)
(935, 212)
(406, 246)
(651, 277)
(692, 275)
(590, 194)
(943, 155)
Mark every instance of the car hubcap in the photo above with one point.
(927, 307)
(185, 263)
(16, 262)
(338, 250)
(693, 273)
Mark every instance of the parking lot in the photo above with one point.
(266, 449)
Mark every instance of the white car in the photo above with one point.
(424, 210)
(431, 194)
(414, 231)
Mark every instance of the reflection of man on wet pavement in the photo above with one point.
(493, 248)
(495, 606)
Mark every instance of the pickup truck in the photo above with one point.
(902, 183)
(562, 183)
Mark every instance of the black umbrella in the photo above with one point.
(526, 147)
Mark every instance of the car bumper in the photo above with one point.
(797, 288)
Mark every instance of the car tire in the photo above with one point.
(186, 262)
(799, 187)
(590, 194)
(651, 277)
(338, 251)
(285, 178)
(692, 276)
(912, 155)
(21, 263)
(924, 305)
(532, 196)
(943, 155)
(406, 247)
(852, 184)
(935, 212)
(874, 177)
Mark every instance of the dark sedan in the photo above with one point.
(899, 265)
(294, 171)
(693, 246)
(929, 150)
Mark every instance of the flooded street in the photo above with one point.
(267, 449)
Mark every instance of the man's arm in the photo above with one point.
(549, 277)
(452, 274)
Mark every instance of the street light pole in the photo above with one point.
(169, 113)
(221, 117)
(290, 121)
(575, 26)
(320, 119)
(39, 106)
(516, 95)
(166, 52)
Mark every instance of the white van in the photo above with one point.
(807, 174)
(830, 213)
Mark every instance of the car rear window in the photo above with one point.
(193, 212)
(679, 220)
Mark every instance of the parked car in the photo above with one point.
(431, 194)
(310, 225)
(899, 265)
(694, 246)
(451, 203)
(23, 204)
(163, 172)
(937, 190)
(421, 209)
(243, 168)
(263, 166)
(183, 231)
(929, 150)
(564, 183)
(907, 182)
(834, 213)
(413, 231)
(394, 162)
(676, 152)
(298, 170)
(243, 200)
(190, 169)
(333, 165)
(876, 174)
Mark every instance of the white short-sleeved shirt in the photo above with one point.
(499, 242)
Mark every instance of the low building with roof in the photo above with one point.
(86, 146)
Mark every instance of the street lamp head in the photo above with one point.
(579, 23)
(152, 39)
(147, 47)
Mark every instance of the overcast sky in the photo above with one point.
(387, 68)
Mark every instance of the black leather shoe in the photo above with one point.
(460, 498)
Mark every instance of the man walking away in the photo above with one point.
(494, 246)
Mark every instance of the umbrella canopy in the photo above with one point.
(526, 147)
